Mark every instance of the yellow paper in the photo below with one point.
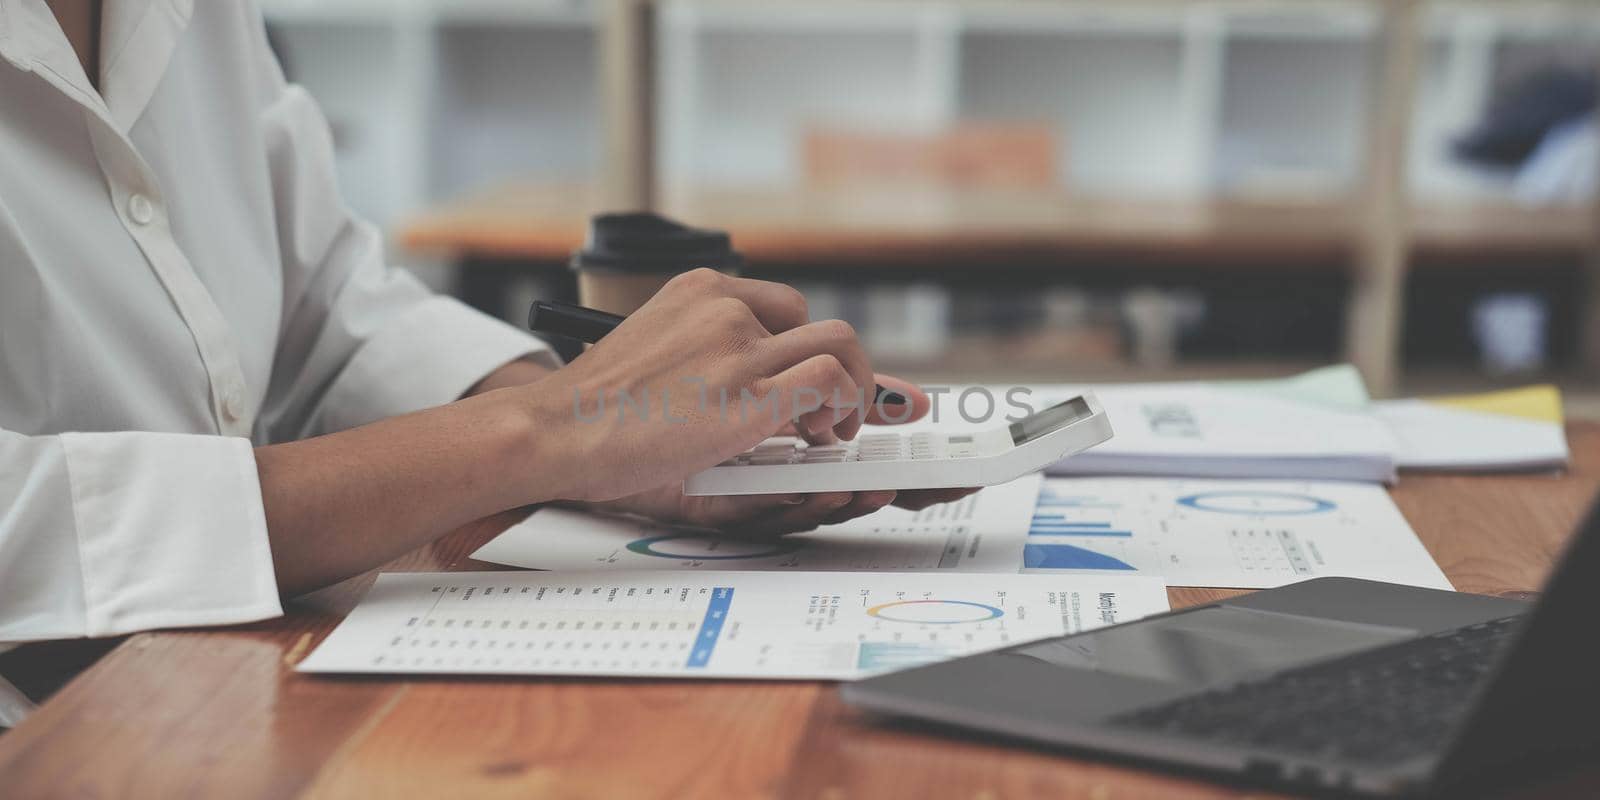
(1540, 403)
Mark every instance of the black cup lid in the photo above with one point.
(644, 242)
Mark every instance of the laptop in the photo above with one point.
(1333, 685)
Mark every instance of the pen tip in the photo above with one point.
(893, 398)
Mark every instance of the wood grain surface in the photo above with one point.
(220, 713)
(914, 226)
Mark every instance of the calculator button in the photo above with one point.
(771, 460)
(827, 449)
(837, 458)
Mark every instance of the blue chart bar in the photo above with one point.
(1073, 502)
(1065, 556)
(881, 656)
(1057, 515)
(1058, 525)
(711, 627)
(1076, 530)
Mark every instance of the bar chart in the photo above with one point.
(1250, 534)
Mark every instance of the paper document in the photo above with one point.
(1243, 534)
(1314, 426)
(711, 624)
(980, 533)
(1249, 534)
(1520, 429)
(1249, 430)
(1338, 387)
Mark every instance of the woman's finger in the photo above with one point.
(779, 306)
(918, 499)
(916, 406)
(802, 516)
(728, 512)
(862, 504)
(837, 339)
(818, 426)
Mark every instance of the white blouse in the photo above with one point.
(180, 281)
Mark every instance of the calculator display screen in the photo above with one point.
(1051, 419)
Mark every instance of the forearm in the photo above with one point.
(341, 504)
(515, 373)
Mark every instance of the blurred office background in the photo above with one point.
(1040, 189)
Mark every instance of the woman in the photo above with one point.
(213, 393)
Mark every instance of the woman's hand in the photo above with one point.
(770, 515)
(707, 369)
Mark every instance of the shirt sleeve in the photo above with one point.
(110, 533)
(360, 340)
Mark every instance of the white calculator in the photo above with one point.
(922, 460)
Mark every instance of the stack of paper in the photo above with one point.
(1029, 559)
(1315, 426)
(1519, 429)
(887, 591)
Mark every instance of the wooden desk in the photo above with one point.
(218, 713)
(1017, 229)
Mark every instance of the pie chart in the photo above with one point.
(1258, 504)
(936, 612)
(693, 547)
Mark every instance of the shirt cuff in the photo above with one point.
(14, 705)
(171, 531)
(428, 355)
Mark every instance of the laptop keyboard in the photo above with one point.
(1379, 705)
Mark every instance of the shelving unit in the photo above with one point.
(431, 98)
(1328, 120)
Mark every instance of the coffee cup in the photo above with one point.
(628, 257)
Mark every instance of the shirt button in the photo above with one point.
(140, 209)
(232, 405)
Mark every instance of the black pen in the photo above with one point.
(588, 325)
